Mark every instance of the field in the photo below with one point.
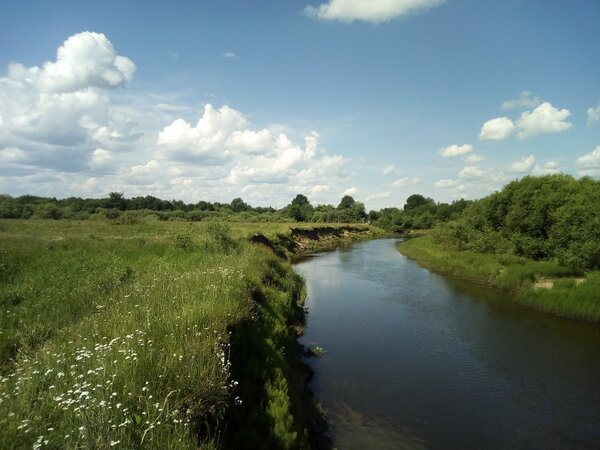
(542, 285)
(120, 335)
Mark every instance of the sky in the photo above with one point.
(217, 99)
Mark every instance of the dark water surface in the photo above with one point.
(416, 360)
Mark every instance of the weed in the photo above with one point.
(315, 351)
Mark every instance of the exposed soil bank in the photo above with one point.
(541, 285)
(306, 240)
(272, 406)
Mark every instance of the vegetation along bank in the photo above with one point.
(154, 334)
(538, 237)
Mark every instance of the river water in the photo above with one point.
(416, 360)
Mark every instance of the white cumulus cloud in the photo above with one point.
(496, 129)
(379, 195)
(406, 181)
(12, 155)
(100, 158)
(265, 169)
(524, 165)
(350, 191)
(455, 150)
(549, 168)
(84, 60)
(66, 129)
(330, 168)
(249, 141)
(589, 164)
(474, 158)
(374, 11)
(445, 183)
(287, 160)
(55, 112)
(206, 141)
(146, 174)
(543, 119)
(388, 169)
(524, 101)
(471, 172)
(593, 115)
(222, 138)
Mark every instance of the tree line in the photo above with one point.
(418, 212)
(542, 218)
(547, 217)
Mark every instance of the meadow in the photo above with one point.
(543, 285)
(119, 335)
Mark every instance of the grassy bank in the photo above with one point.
(541, 285)
(121, 336)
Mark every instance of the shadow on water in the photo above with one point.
(413, 359)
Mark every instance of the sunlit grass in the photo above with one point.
(579, 298)
(567, 297)
(119, 335)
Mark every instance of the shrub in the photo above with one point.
(217, 237)
(183, 240)
(128, 218)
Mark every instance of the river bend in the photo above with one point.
(416, 360)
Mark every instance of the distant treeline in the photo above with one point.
(549, 217)
(418, 212)
(554, 217)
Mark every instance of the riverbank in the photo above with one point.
(541, 285)
(156, 334)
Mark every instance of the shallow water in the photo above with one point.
(416, 360)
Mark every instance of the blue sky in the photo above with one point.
(212, 100)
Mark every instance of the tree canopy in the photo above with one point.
(549, 217)
(347, 202)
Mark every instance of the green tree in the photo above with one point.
(415, 201)
(9, 207)
(358, 212)
(116, 200)
(300, 209)
(347, 202)
(48, 210)
(554, 216)
(238, 205)
(300, 200)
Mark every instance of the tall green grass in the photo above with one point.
(568, 297)
(265, 358)
(120, 336)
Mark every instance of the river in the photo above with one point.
(416, 360)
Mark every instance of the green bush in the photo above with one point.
(554, 217)
(128, 218)
(216, 236)
(183, 240)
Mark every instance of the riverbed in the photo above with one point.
(416, 360)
